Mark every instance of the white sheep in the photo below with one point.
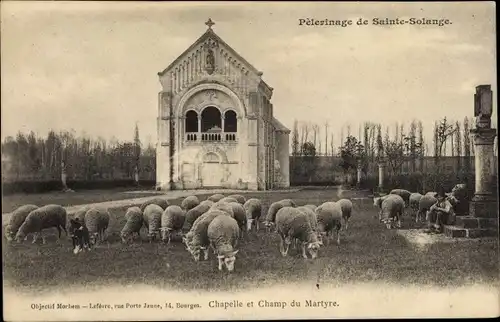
(329, 216)
(414, 201)
(392, 210)
(223, 233)
(216, 197)
(405, 194)
(223, 206)
(273, 210)
(172, 220)
(292, 223)
(253, 211)
(49, 216)
(239, 198)
(196, 240)
(424, 205)
(377, 202)
(346, 206)
(17, 219)
(152, 220)
(190, 202)
(133, 225)
(196, 212)
(163, 203)
(97, 221)
(311, 216)
(227, 200)
(311, 206)
(239, 215)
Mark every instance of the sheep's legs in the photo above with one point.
(282, 246)
(338, 236)
(35, 237)
(257, 226)
(304, 250)
(205, 254)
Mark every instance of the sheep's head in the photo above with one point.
(165, 233)
(195, 251)
(9, 234)
(20, 235)
(377, 201)
(126, 237)
(313, 248)
(93, 238)
(269, 226)
(229, 260)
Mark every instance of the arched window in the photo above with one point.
(211, 157)
(230, 122)
(211, 120)
(191, 122)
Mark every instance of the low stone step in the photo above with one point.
(473, 222)
(460, 232)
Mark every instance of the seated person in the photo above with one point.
(440, 214)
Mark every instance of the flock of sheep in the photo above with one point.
(392, 205)
(218, 222)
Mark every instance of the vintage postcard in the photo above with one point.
(248, 160)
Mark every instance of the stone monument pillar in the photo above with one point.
(359, 173)
(381, 172)
(484, 204)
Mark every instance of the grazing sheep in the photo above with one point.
(215, 197)
(133, 225)
(196, 240)
(80, 214)
(195, 213)
(80, 236)
(239, 215)
(239, 198)
(190, 202)
(49, 216)
(207, 202)
(424, 205)
(273, 210)
(392, 210)
(16, 220)
(227, 200)
(223, 234)
(97, 221)
(223, 206)
(414, 201)
(292, 223)
(253, 211)
(329, 216)
(346, 206)
(311, 206)
(405, 194)
(172, 220)
(152, 220)
(163, 203)
(311, 216)
(377, 202)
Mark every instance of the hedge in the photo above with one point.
(56, 185)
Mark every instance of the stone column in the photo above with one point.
(359, 173)
(484, 203)
(381, 173)
(198, 135)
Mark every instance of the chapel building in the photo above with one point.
(216, 126)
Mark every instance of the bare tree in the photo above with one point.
(326, 138)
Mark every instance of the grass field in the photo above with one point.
(11, 202)
(368, 252)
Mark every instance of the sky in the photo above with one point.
(92, 66)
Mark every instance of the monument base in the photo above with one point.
(483, 206)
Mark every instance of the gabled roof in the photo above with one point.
(279, 126)
(212, 34)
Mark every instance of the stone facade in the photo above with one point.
(216, 127)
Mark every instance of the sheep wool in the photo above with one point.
(414, 201)
(346, 206)
(377, 201)
(292, 223)
(329, 216)
(49, 216)
(17, 218)
(223, 206)
(190, 202)
(311, 206)
(195, 213)
(152, 220)
(227, 200)
(311, 216)
(97, 221)
(197, 239)
(223, 233)
(275, 207)
(216, 197)
(392, 210)
(207, 202)
(163, 203)
(239, 198)
(253, 211)
(133, 225)
(172, 220)
(424, 205)
(239, 214)
(405, 194)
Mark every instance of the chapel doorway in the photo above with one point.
(212, 172)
